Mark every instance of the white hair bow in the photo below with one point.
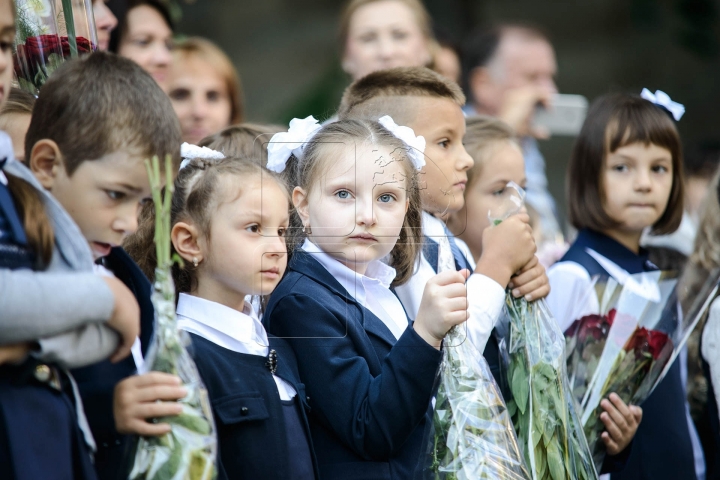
(284, 144)
(416, 150)
(190, 152)
(662, 99)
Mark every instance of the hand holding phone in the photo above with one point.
(565, 116)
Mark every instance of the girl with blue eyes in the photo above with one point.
(368, 371)
(625, 176)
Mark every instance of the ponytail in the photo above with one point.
(38, 229)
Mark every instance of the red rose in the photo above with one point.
(33, 56)
(595, 326)
(650, 341)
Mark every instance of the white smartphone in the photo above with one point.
(565, 117)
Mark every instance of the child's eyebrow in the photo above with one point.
(129, 187)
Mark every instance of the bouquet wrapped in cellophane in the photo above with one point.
(473, 436)
(189, 450)
(628, 331)
(543, 409)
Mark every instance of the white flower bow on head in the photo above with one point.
(416, 152)
(663, 99)
(284, 144)
(190, 152)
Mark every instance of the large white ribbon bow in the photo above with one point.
(190, 152)
(663, 99)
(416, 150)
(284, 144)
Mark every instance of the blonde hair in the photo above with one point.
(212, 54)
(306, 170)
(424, 21)
(482, 135)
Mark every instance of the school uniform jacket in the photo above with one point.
(369, 394)
(247, 408)
(662, 448)
(113, 459)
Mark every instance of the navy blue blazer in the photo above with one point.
(113, 459)
(661, 449)
(247, 409)
(369, 393)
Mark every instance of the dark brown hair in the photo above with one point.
(482, 134)
(614, 121)
(36, 223)
(324, 146)
(121, 9)
(197, 195)
(395, 82)
(100, 104)
(246, 140)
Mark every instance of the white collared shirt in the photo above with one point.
(486, 297)
(371, 290)
(240, 332)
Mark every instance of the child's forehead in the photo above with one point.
(119, 166)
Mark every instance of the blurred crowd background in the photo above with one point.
(288, 54)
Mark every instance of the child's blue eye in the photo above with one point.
(387, 198)
(115, 195)
(660, 169)
(620, 168)
(343, 194)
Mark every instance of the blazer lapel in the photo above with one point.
(305, 264)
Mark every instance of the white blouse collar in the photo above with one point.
(238, 331)
(377, 272)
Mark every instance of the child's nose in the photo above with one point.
(465, 161)
(365, 213)
(126, 222)
(642, 180)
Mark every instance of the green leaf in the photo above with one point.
(555, 460)
(520, 388)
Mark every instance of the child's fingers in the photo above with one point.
(616, 416)
(621, 407)
(610, 426)
(454, 290)
(529, 287)
(610, 444)
(156, 378)
(146, 429)
(449, 278)
(457, 304)
(457, 317)
(156, 410)
(160, 392)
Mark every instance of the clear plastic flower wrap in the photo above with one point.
(188, 451)
(628, 331)
(473, 437)
(48, 33)
(543, 409)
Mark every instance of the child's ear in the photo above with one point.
(45, 162)
(300, 201)
(184, 237)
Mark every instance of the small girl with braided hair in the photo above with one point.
(229, 217)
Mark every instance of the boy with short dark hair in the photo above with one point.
(96, 121)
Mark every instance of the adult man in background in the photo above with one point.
(509, 70)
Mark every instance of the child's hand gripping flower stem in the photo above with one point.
(621, 421)
(444, 304)
(508, 247)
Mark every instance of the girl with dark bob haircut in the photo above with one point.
(625, 176)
